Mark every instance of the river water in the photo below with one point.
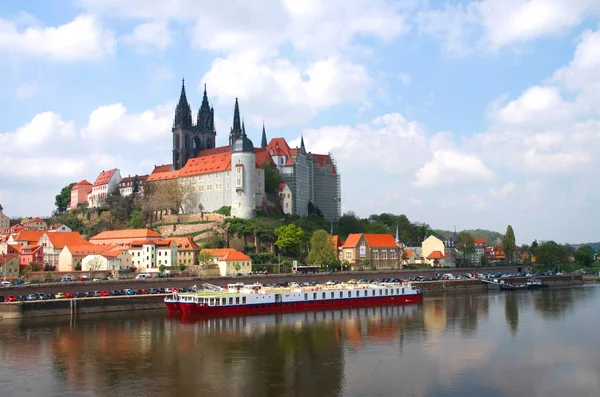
(526, 343)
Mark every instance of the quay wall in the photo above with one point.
(66, 307)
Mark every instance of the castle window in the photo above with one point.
(227, 186)
(201, 178)
(227, 173)
(383, 254)
(238, 170)
(208, 177)
(201, 188)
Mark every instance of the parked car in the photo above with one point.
(129, 292)
(32, 297)
(68, 295)
(2, 299)
(10, 298)
(6, 283)
(59, 295)
(104, 293)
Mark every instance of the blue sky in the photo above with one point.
(474, 114)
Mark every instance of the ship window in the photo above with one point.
(323, 295)
(332, 295)
(397, 291)
(315, 296)
(357, 293)
(244, 300)
(366, 292)
(373, 292)
(402, 291)
(305, 297)
(237, 300)
(231, 301)
(380, 292)
(349, 294)
(224, 301)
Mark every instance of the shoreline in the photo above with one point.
(134, 303)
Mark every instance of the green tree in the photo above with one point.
(508, 244)
(237, 267)
(350, 223)
(137, 220)
(290, 239)
(585, 255)
(181, 267)
(466, 245)
(483, 260)
(162, 269)
(322, 251)
(548, 253)
(135, 188)
(377, 227)
(272, 178)
(205, 260)
(63, 199)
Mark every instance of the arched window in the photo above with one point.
(177, 141)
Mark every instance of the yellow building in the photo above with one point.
(234, 263)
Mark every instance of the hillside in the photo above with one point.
(491, 237)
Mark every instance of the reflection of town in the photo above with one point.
(284, 354)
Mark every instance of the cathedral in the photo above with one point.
(233, 175)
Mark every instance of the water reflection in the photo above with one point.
(449, 345)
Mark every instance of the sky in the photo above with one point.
(472, 114)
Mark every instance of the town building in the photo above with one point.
(410, 257)
(53, 244)
(71, 256)
(4, 220)
(148, 255)
(26, 237)
(28, 254)
(104, 185)
(438, 252)
(216, 253)
(285, 195)
(36, 223)
(237, 167)
(123, 238)
(80, 193)
(379, 251)
(234, 263)
(131, 183)
(187, 251)
(9, 265)
(479, 252)
(113, 259)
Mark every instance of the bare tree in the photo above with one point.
(176, 195)
(94, 264)
(205, 260)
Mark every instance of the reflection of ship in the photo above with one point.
(240, 299)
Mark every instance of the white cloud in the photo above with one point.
(450, 168)
(489, 25)
(405, 78)
(504, 191)
(281, 92)
(82, 39)
(27, 90)
(150, 35)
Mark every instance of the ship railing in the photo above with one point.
(212, 287)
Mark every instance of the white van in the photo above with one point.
(143, 276)
(6, 284)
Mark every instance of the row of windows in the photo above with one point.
(375, 254)
(218, 175)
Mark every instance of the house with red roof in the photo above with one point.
(438, 252)
(124, 237)
(128, 183)
(36, 223)
(187, 250)
(234, 263)
(148, 255)
(71, 255)
(53, 244)
(285, 195)
(28, 254)
(379, 251)
(80, 193)
(112, 260)
(106, 183)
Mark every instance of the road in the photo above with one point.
(264, 279)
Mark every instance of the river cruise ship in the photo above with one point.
(255, 298)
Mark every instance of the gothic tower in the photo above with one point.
(236, 129)
(182, 130)
(190, 139)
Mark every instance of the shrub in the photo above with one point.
(225, 211)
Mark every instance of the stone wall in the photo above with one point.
(195, 217)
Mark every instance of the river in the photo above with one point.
(519, 343)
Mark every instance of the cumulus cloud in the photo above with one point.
(150, 35)
(450, 168)
(82, 39)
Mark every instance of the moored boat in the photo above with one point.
(256, 298)
(535, 283)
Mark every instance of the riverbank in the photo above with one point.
(83, 306)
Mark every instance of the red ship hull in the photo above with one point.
(173, 307)
(204, 310)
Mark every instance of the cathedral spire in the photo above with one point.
(183, 113)
(205, 100)
(236, 129)
(243, 128)
(263, 143)
(302, 143)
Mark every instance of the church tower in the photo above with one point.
(236, 129)
(183, 129)
(205, 134)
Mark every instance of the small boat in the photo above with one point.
(535, 283)
(511, 287)
(494, 284)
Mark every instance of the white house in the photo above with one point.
(113, 259)
(54, 243)
(437, 252)
(126, 185)
(234, 263)
(60, 228)
(106, 182)
(148, 255)
(285, 195)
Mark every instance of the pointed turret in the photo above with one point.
(183, 112)
(263, 142)
(205, 121)
(236, 129)
(302, 143)
(243, 128)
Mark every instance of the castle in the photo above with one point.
(234, 175)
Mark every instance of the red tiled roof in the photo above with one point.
(282, 186)
(158, 243)
(324, 160)
(216, 252)
(380, 240)
(235, 256)
(207, 164)
(31, 236)
(436, 255)
(262, 156)
(104, 177)
(129, 233)
(185, 244)
(60, 240)
(479, 241)
(352, 240)
(80, 184)
(409, 253)
(36, 219)
(215, 150)
(279, 147)
(5, 258)
(163, 176)
(162, 168)
(112, 253)
(337, 242)
(85, 250)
